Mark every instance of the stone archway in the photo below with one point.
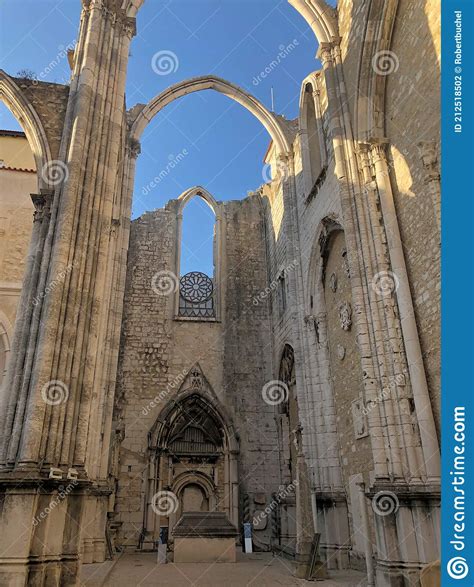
(369, 106)
(210, 82)
(216, 207)
(196, 491)
(192, 449)
(23, 111)
(313, 140)
(320, 16)
(193, 499)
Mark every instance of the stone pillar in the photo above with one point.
(424, 412)
(303, 434)
(58, 416)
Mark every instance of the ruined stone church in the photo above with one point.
(296, 387)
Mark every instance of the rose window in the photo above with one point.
(196, 295)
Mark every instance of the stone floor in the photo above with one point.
(256, 570)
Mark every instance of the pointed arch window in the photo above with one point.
(198, 256)
(313, 139)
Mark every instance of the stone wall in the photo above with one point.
(158, 350)
(50, 102)
(247, 349)
(412, 98)
(275, 292)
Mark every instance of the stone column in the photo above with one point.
(424, 412)
(62, 426)
(31, 298)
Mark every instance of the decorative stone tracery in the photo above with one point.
(72, 334)
(190, 446)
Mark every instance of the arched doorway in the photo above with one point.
(192, 460)
(193, 499)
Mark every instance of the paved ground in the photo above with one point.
(256, 570)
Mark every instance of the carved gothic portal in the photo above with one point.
(192, 461)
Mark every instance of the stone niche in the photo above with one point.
(204, 537)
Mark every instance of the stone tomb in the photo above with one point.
(204, 537)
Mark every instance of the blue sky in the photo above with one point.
(218, 143)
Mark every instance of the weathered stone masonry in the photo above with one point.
(343, 243)
(159, 350)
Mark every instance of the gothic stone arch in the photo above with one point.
(375, 59)
(311, 131)
(329, 494)
(210, 82)
(12, 96)
(320, 16)
(192, 443)
(216, 207)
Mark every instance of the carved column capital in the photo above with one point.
(336, 47)
(324, 53)
(362, 147)
(112, 9)
(42, 203)
(284, 166)
(310, 320)
(378, 150)
(363, 151)
(134, 148)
